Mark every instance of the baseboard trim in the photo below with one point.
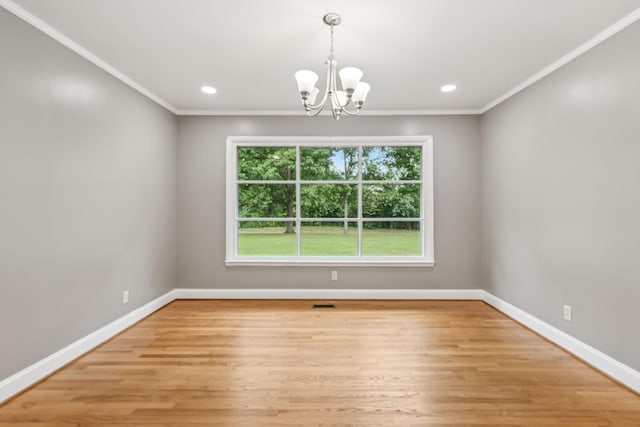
(602, 362)
(22, 380)
(334, 294)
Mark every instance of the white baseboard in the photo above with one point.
(39, 370)
(334, 294)
(32, 374)
(608, 365)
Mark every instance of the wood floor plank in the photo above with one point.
(364, 363)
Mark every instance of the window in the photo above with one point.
(330, 200)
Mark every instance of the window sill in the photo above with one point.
(327, 263)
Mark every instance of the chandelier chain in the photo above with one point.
(331, 51)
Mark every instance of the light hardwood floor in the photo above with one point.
(366, 363)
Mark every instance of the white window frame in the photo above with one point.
(427, 258)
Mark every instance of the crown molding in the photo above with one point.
(301, 112)
(583, 48)
(66, 41)
(33, 20)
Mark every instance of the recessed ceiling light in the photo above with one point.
(208, 89)
(448, 88)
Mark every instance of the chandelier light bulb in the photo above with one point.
(306, 80)
(350, 77)
(314, 94)
(361, 92)
(341, 97)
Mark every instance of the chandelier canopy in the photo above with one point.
(353, 93)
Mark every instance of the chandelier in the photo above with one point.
(353, 93)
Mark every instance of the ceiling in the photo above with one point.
(250, 49)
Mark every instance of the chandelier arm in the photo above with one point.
(334, 113)
(336, 107)
(315, 113)
(344, 105)
(334, 88)
(314, 107)
(351, 113)
(320, 105)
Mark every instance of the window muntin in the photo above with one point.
(344, 201)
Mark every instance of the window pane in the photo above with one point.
(329, 200)
(328, 163)
(391, 201)
(392, 163)
(266, 200)
(266, 238)
(329, 239)
(391, 238)
(266, 163)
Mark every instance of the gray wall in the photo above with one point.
(561, 197)
(87, 196)
(201, 197)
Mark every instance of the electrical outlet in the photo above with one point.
(334, 275)
(125, 297)
(566, 311)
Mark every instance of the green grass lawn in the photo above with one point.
(328, 241)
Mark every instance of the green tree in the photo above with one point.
(350, 170)
(275, 164)
(397, 163)
(267, 200)
(381, 163)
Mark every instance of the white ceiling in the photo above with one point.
(250, 49)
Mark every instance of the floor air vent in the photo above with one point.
(323, 306)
